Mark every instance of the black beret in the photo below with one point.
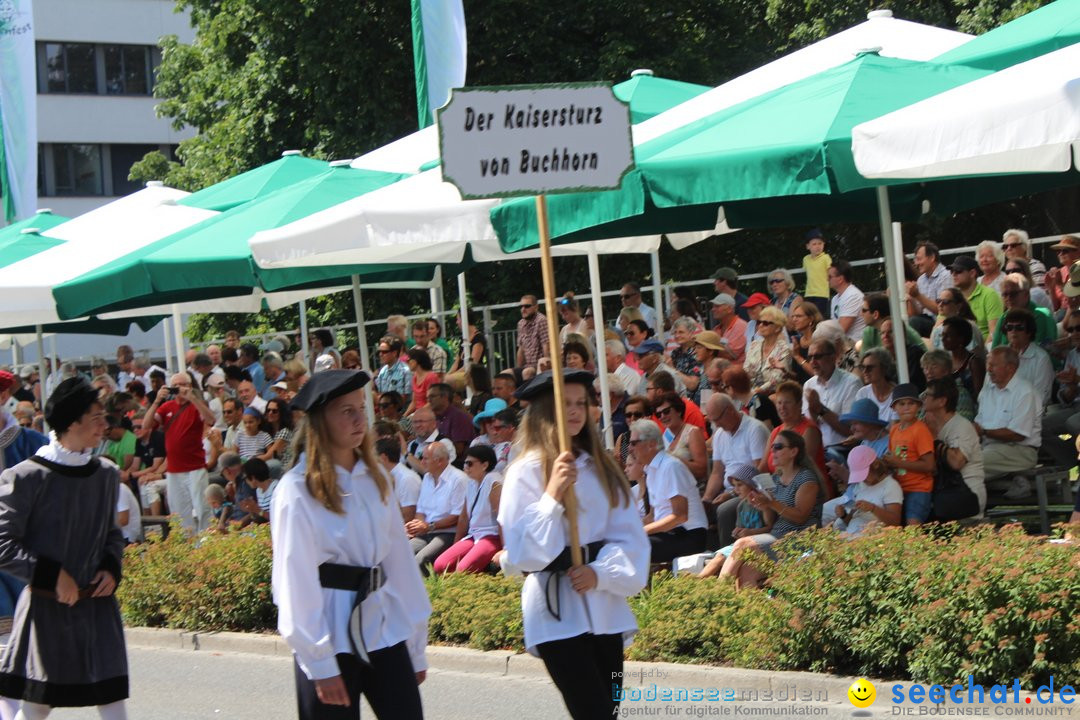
(543, 383)
(326, 385)
(69, 402)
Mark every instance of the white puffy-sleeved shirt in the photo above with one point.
(535, 532)
(314, 620)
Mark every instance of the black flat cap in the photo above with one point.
(326, 385)
(69, 402)
(543, 383)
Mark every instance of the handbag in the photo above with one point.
(952, 498)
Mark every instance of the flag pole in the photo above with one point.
(569, 497)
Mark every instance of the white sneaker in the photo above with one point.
(1021, 488)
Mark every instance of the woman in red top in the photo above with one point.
(788, 401)
(423, 377)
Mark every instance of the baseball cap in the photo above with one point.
(723, 299)
(756, 299)
(964, 263)
(726, 273)
(859, 461)
(649, 346)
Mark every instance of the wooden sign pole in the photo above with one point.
(569, 497)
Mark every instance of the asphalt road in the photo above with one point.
(190, 685)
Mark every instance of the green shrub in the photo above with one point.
(221, 582)
(933, 605)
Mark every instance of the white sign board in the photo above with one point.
(534, 140)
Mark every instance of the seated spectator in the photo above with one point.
(1009, 420)
(911, 454)
(867, 430)
(616, 364)
(829, 393)
(737, 439)
(796, 499)
(220, 507)
(257, 477)
(253, 441)
(767, 356)
(26, 443)
(968, 368)
(662, 382)
(120, 446)
(1017, 246)
(879, 374)
(423, 340)
(442, 497)
(984, 302)
(680, 439)
(450, 420)
(677, 522)
(1035, 364)
(570, 312)
(576, 356)
(954, 304)
(684, 359)
(502, 431)
(956, 435)
(782, 287)
(128, 515)
(707, 347)
(482, 420)
(914, 353)
(617, 398)
(1065, 418)
(279, 426)
(875, 310)
(478, 382)
(237, 490)
(247, 395)
(503, 386)
(789, 410)
(937, 365)
(1016, 292)
(736, 383)
(804, 319)
(350, 360)
(321, 344)
(296, 375)
(477, 537)
(638, 407)
(390, 407)
(730, 327)
(751, 521)
(394, 374)
(925, 293)
(426, 432)
(876, 496)
(423, 377)
(406, 482)
(650, 354)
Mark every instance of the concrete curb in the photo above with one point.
(504, 663)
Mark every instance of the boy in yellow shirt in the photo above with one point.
(816, 265)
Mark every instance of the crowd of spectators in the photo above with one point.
(740, 421)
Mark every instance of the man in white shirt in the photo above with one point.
(425, 431)
(615, 353)
(829, 393)
(924, 291)
(249, 396)
(1009, 420)
(441, 500)
(738, 438)
(651, 360)
(406, 482)
(847, 302)
(675, 518)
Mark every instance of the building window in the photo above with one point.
(67, 68)
(77, 169)
(123, 157)
(128, 70)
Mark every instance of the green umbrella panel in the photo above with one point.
(17, 242)
(212, 259)
(649, 96)
(1051, 27)
(782, 158)
(261, 181)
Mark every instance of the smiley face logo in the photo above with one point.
(862, 693)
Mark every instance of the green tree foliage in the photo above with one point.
(334, 78)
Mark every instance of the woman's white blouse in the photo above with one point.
(314, 620)
(482, 521)
(536, 531)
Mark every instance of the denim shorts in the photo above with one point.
(917, 506)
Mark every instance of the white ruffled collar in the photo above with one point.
(57, 453)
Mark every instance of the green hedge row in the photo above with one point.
(929, 605)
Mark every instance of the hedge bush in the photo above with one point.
(931, 605)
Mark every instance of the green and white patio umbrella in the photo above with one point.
(1051, 27)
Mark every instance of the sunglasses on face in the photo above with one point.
(627, 296)
(775, 281)
(765, 323)
(946, 301)
(777, 447)
(819, 356)
(1010, 246)
(663, 411)
(635, 415)
(383, 351)
(1015, 327)
(470, 463)
(526, 307)
(867, 368)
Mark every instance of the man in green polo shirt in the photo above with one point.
(984, 302)
(1016, 293)
(875, 311)
(119, 445)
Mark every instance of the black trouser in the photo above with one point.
(667, 546)
(586, 669)
(389, 686)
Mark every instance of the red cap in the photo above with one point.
(7, 380)
(757, 299)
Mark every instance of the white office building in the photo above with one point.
(95, 66)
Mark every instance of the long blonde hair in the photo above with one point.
(313, 438)
(539, 432)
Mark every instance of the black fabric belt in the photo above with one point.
(361, 580)
(558, 567)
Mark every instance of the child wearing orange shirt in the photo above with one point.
(911, 454)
